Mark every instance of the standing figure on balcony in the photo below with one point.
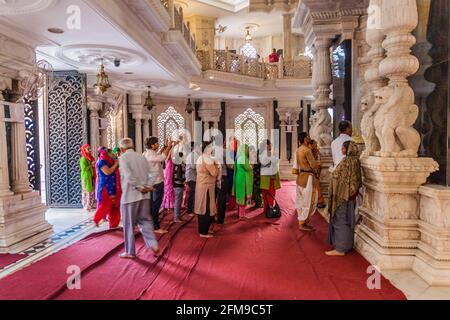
(274, 58)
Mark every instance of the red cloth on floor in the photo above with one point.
(254, 259)
(7, 259)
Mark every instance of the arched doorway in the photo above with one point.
(250, 128)
(170, 125)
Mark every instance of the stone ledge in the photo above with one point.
(435, 273)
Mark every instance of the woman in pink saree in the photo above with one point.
(169, 195)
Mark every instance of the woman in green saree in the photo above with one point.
(243, 180)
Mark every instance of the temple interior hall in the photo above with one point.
(93, 72)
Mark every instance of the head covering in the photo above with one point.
(85, 154)
(104, 155)
(116, 150)
(346, 179)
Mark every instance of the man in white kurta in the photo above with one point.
(135, 201)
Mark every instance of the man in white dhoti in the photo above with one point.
(135, 202)
(307, 194)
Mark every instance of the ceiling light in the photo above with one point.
(149, 101)
(56, 30)
(211, 77)
(102, 84)
(248, 37)
(189, 106)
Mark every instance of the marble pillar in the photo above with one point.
(294, 142)
(94, 109)
(146, 127)
(20, 182)
(288, 112)
(287, 35)
(321, 129)
(375, 81)
(389, 233)
(138, 132)
(4, 170)
(22, 214)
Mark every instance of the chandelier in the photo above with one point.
(149, 101)
(248, 37)
(189, 106)
(102, 85)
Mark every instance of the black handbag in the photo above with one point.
(273, 212)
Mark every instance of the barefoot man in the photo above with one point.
(304, 166)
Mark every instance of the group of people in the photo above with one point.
(207, 179)
(345, 184)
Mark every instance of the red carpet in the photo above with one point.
(7, 259)
(255, 259)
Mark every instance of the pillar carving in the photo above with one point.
(396, 116)
(288, 112)
(4, 170)
(287, 35)
(94, 109)
(20, 183)
(137, 112)
(389, 233)
(321, 126)
(146, 117)
(210, 111)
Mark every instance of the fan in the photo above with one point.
(33, 81)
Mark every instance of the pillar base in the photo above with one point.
(22, 222)
(432, 261)
(326, 162)
(389, 234)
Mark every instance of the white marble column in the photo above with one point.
(4, 171)
(287, 35)
(390, 231)
(375, 81)
(138, 132)
(146, 128)
(322, 127)
(294, 118)
(205, 129)
(94, 108)
(20, 182)
(283, 144)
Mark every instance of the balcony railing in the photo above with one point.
(179, 24)
(225, 61)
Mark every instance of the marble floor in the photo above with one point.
(72, 225)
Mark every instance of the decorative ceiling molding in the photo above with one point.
(277, 5)
(328, 19)
(89, 56)
(141, 85)
(21, 7)
(152, 13)
(229, 5)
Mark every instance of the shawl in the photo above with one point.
(115, 151)
(85, 154)
(103, 181)
(346, 180)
